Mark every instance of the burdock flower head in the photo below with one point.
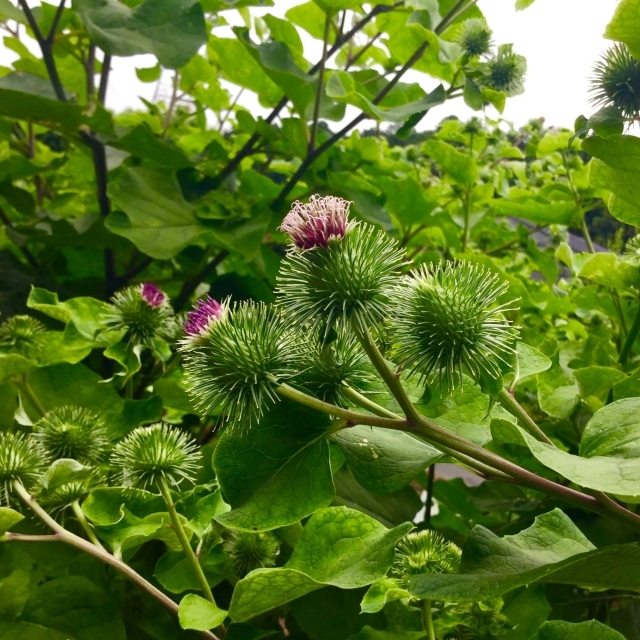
(72, 432)
(616, 81)
(249, 551)
(425, 552)
(505, 71)
(205, 312)
(143, 310)
(22, 459)
(447, 322)
(475, 38)
(313, 224)
(337, 271)
(233, 359)
(23, 333)
(632, 250)
(157, 453)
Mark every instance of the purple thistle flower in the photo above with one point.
(204, 313)
(152, 295)
(314, 223)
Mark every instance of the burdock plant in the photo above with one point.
(616, 81)
(446, 321)
(142, 310)
(475, 38)
(22, 333)
(504, 71)
(336, 272)
(22, 461)
(72, 432)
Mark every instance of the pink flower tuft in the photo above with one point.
(152, 295)
(314, 223)
(204, 313)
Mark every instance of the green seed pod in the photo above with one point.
(446, 322)
(616, 81)
(325, 370)
(249, 551)
(233, 357)
(425, 552)
(143, 311)
(150, 454)
(22, 459)
(505, 71)
(336, 272)
(72, 432)
(475, 38)
(23, 333)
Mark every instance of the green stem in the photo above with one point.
(362, 401)
(587, 235)
(391, 379)
(25, 387)
(62, 535)
(88, 529)
(427, 619)
(615, 297)
(184, 541)
(467, 215)
(509, 402)
(631, 338)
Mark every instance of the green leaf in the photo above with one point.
(381, 592)
(407, 200)
(172, 30)
(526, 612)
(608, 269)
(175, 573)
(77, 607)
(606, 122)
(521, 5)
(530, 361)
(345, 548)
(617, 151)
(625, 26)
(106, 505)
(460, 166)
(141, 142)
(149, 74)
(197, 613)
(338, 546)
(596, 381)
(535, 209)
(8, 518)
(558, 391)
(64, 471)
(277, 472)
(492, 566)
(560, 630)
(29, 97)
(553, 141)
(29, 631)
(384, 461)
(608, 451)
(86, 313)
(13, 364)
(151, 212)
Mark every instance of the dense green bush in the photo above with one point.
(263, 464)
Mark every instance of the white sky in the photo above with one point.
(561, 39)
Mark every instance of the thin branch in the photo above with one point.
(172, 103)
(212, 183)
(352, 60)
(457, 10)
(191, 285)
(230, 109)
(316, 106)
(90, 68)
(56, 22)
(104, 78)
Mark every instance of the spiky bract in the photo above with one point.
(326, 370)
(249, 551)
(632, 250)
(22, 333)
(65, 495)
(205, 312)
(141, 312)
(346, 282)
(314, 223)
(158, 452)
(234, 364)
(446, 322)
(425, 552)
(475, 38)
(505, 71)
(22, 459)
(616, 81)
(72, 432)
